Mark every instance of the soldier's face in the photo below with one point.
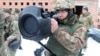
(6, 14)
(84, 11)
(62, 15)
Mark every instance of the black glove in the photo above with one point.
(6, 35)
(38, 52)
(14, 44)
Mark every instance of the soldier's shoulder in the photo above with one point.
(90, 15)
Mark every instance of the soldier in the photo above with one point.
(14, 40)
(2, 49)
(68, 34)
(86, 18)
(15, 16)
(8, 21)
(17, 11)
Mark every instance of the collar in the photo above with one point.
(88, 13)
(68, 21)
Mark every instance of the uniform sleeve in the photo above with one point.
(80, 19)
(15, 34)
(90, 21)
(8, 25)
(74, 42)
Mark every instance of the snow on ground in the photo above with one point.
(93, 48)
(28, 47)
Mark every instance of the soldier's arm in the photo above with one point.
(80, 18)
(15, 32)
(91, 21)
(72, 43)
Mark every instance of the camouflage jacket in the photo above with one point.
(15, 29)
(15, 32)
(8, 25)
(66, 41)
(15, 17)
(86, 20)
(1, 28)
(14, 40)
(2, 47)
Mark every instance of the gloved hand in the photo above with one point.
(14, 44)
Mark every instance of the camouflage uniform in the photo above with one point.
(87, 20)
(2, 49)
(15, 35)
(8, 26)
(15, 16)
(68, 39)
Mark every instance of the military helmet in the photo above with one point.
(85, 8)
(64, 4)
(17, 10)
(7, 10)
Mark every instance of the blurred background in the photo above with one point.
(48, 6)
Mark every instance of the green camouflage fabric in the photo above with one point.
(64, 4)
(7, 10)
(8, 21)
(1, 26)
(8, 25)
(17, 10)
(2, 49)
(86, 20)
(67, 40)
(15, 34)
(15, 17)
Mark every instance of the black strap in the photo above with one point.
(80, 53)
(52, 54)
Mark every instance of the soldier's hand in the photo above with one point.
(54, 25)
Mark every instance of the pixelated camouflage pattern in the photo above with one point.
(66, 42)
(64, 4)
(87, 20)
(8, 25)
(7, 10)
(2, 47)
(15, 34)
